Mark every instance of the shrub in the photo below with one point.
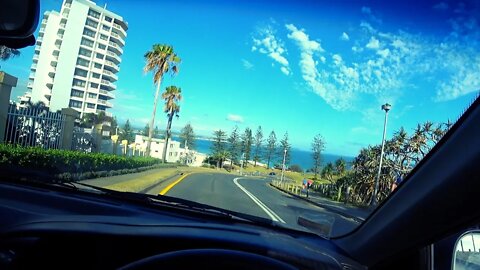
(65, 165)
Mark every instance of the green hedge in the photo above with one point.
(53, 162)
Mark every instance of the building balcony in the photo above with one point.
(111, 56)
(105, 103)
(109, 114)
(115, 47)
(112, 65)
(121, 30)
(33, 67)
(110, 74)
(117, 38)
(108, 84)
(108, 94)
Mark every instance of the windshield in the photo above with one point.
(305, 113)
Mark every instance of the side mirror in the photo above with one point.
(18, 21)
(467, 251)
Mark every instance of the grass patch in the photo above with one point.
(141, 182)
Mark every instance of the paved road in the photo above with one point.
(254, 196)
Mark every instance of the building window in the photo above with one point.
(97, 65)
(100, 56)
(75, 104)
(96, 75)
(106, 28)
(90, 105)
(170, 153)
(76, 93)
(93, 85)
(108, 19)
(92, 95)
(94, 13)
(87, 42)
(171, 145)
(88, 32)
(77, 82)
(85, 52)
(83, 62)
(81, 72)
(103, 37)
(91, 23)
(176, 153)
(101, 46)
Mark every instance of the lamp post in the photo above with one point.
(283, 164)
(386, 107)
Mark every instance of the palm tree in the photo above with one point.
(160, 60)
(6, 53)
(171, 96)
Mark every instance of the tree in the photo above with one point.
(296, 168)
(328, 171)
(146, 130)
(285, 145)
(340, 166)
(114, 124)
(127, 132)
(172, 95)
(318, 145)
(271, 147)
(160, 60)
(247, 140)
(187, 136)
(234, 145)
(7, 53)
(218, 150)
(218, 144)
(258, 141)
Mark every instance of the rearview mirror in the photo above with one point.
(18, 21)
(467, 252)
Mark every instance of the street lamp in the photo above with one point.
(386, 107)
(283, 164)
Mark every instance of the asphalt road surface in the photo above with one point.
(255, 196)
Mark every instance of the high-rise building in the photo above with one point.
(77, 55)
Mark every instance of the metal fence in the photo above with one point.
(85, 140)
(34, 127)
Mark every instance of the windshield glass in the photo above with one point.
(299, 112)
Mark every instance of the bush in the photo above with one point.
(296, 168)
(34, 162)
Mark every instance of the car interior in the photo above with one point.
(64, 227)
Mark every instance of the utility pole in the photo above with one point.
(283, 164)
(241, 164)
(386, 107)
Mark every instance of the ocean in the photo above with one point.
(298, 156)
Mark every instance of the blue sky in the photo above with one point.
(302, 67)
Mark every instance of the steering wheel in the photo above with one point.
(207, 259)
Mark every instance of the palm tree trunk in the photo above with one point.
(152, 120)
(167, 135)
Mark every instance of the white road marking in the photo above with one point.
(265, 208)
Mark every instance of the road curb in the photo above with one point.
(332, 209)
(146, 190)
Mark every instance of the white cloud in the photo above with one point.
(344, 36)
(285, 70)
(366, 10)
(441, 6)
(267, 43)
(373, 43)
(247, 64)
(384, 53)
(235, 118)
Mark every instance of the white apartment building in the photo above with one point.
(77, 56)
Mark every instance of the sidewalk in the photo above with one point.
(348, 211)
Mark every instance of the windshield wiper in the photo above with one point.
(163, 200)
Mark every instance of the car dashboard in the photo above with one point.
(67, 229)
